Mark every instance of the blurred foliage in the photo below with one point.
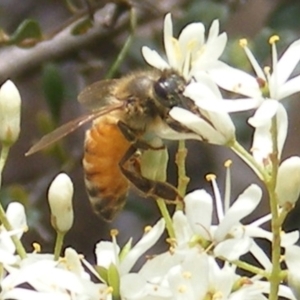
(54, 90)
(27, 34)
(285, 16)
(82, 27)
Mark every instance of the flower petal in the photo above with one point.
(234, 80)
(182, 229)
(154, 59)
(289, 88)
(146, 242)
(288, 62)
(242, 207)
(198, 209)
(264, 113)
(232, 249)
(105, 254)
(198, 125)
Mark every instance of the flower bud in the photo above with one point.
(60, 200)
(10, 103)
(288, 181)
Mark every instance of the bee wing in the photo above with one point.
(71, 126)
(98, 94)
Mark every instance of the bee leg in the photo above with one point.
(177, 126)
(133, 138)
(150, 188)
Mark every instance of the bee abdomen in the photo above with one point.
(106, 186)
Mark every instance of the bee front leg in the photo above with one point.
(149, 187)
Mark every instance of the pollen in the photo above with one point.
(228, 163)
(187, 275)
(147, 229)
(243, 43)
(217, 296)
(273, 39)
(114, 232)
(37, 247)
(177, 49)
(210, 177)
(192, 44)
(267, 70)
(109, 290)
(182, 289)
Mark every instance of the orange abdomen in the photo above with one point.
(106, 186)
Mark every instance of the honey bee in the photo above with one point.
(127, 114)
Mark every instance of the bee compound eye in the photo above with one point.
(161, 90)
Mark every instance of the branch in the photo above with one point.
(16, 61)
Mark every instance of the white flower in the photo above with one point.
(50, 279)
(266, 87)
(113, 264)
(229, 237)
(60, 200)
(10, 113)
(193, 276)
(211, 126)
(190, 51)
(108, 252)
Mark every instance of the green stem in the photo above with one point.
(276, 221)
(183, 180)
(58, 244)
(19, 246)
(133, 20)
(250, 268)
(165, 213)
(247, 157)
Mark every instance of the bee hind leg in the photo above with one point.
(149, 187)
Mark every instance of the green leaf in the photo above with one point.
(27, 34)
(53, 87)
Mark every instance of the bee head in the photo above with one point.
(169, 89)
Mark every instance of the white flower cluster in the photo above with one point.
(204, 259)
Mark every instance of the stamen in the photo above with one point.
(273, 39)
(182, 289)
(228, 163)
(171, 241)
(227, 192)
(217, 296)
(243, 43)
(114, 232)
(147, 229)
(37, 247)
(187, 275)
(210, 177)
(109, 290)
